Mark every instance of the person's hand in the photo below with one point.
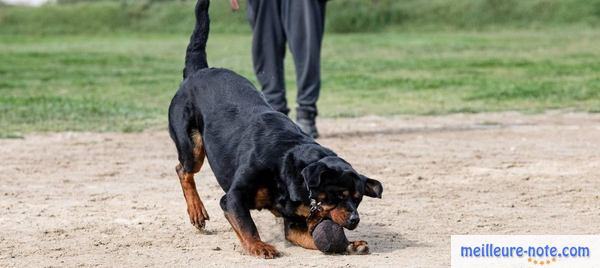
(235, 6)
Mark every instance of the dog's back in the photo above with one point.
(225, 109)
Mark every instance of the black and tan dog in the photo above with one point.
(260, 158)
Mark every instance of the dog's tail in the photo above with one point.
(195, 58)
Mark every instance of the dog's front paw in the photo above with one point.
(262, 250)
(358, 248)
(198, 214)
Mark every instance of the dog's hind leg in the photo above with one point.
(190, 149)
(195, 207)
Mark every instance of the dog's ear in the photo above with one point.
(309, 176)
(312, 174)
(373, 188)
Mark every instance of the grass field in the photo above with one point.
(346, 16)
(124, 82)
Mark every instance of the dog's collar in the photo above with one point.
(314, 207)
(313, 219)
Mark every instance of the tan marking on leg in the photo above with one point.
(199, 153)
(195, 208)
(251, 243)
(300, 238)
(236, 228)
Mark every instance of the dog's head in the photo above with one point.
(339, 189)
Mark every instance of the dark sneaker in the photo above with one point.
(309, 127)
(306, 121)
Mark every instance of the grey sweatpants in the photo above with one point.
(300, 23)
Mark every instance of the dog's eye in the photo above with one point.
(343, 195)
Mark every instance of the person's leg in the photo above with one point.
(268, 50)
(304, 23)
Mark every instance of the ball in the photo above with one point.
(329, 237)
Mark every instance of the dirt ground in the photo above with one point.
(110, 199)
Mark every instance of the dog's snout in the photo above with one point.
(353, 220)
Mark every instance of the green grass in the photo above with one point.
(343, 16)
(124, 82)
(102, 17)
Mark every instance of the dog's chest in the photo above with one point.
(262, 198)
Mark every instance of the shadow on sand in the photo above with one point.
(382, 239)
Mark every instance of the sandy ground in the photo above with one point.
(89, 199)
